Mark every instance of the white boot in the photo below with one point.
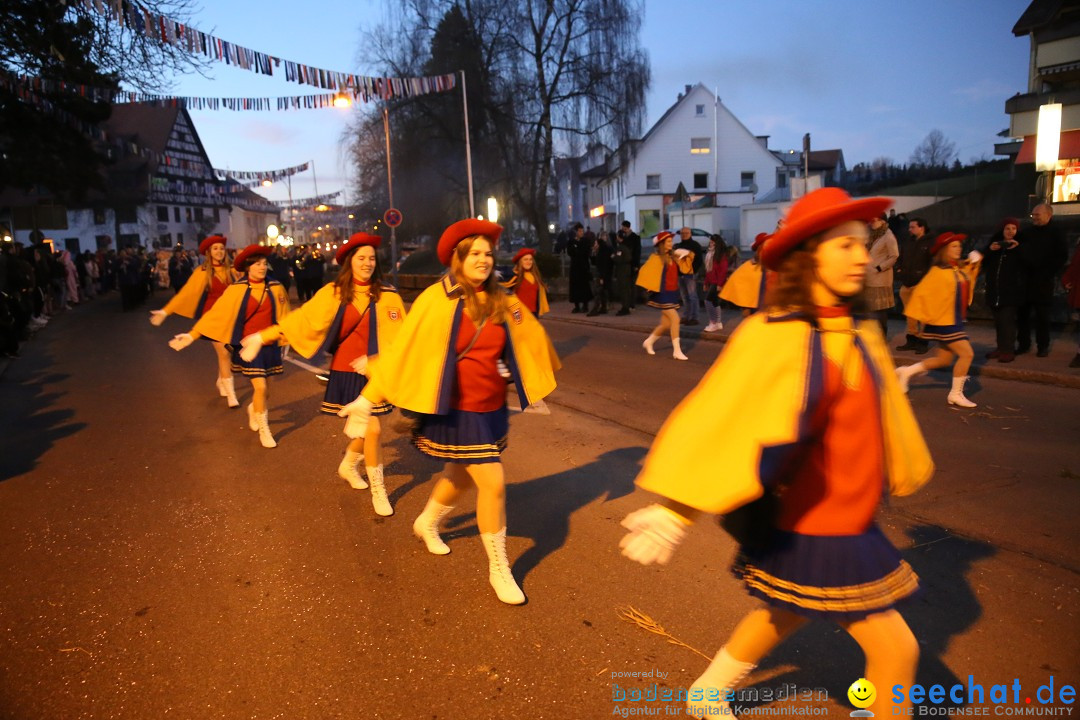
(723, 674)
(226, 384)
(649, 341)
(221, 387)
(904, 373)
(379, 501)
(253, 418)
(499, 568)
(265, 438)
(956, 397)
(349, 470)
(426, 527)
(678, 353)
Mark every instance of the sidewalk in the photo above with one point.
(1051, 370)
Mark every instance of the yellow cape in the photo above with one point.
(189, 301)
(417, 372)
(743, 287)
(542, 307)
(933, 300)
(650, 273)
(313, 327)
(721, 445)
(225, 321)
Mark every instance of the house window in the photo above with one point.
(99, 216)
(126, 214)
(165, 240)
(198, 214)
(700, 146)
(217, 215)
(187, 214)
(179, 238)
(652, 182)
(162, 213)
(176, 214)
(699, 110)
(746, 180)
(781, 178)
(701, 181)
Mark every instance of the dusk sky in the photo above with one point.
(869, 78)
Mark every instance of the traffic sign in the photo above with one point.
(392, 217)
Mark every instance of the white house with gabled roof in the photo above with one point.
(699, 144)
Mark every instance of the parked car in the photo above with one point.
(701, 236)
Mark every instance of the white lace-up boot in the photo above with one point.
(265, 437)
(349, 470)
(499, 569)
(709, 692)
(228, 391)
(426, 527)
(904, 373)
(956, 396)
(677, 353)
(379, 501)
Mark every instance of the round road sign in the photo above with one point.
(392, 217)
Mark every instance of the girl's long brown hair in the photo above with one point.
(343, 283)
(519, 273)
(494, 305)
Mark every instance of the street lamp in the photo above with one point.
(493, 209)
(272, 231)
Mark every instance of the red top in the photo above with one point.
(219, 280)
(965, 294)
(479, 387)
(258, 315)
(837, 487)
(528, 293)
(352, 339)
(671, 276)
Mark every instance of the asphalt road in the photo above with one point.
(157, 562)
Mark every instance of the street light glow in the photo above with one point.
(493, 209)
(1048, 137)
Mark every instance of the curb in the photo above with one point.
(1040, 377)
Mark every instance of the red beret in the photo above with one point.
(522, 253)
(661, 237)
(759, 239)
(205, 245)
(249, 255)
(357, 240)
(463, 229)
(944, 239)
(816, 212)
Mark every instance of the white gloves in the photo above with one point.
(157, 317)
(251, 345)
(181, 341)
(360, 365)
(358, 413)
(655, 532)
(974, 256)
(504, 371)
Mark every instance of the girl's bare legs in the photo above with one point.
(892, 654)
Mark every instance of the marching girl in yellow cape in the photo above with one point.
(353, 319)
(746, 287)
(206, 284)
(660, 276)
(806, 413)
(940, 301)
(249, 305)
(528, 284)
(463, 340)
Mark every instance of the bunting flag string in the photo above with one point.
(261, 175)
(170, 32)
(307, 202)
(364, 93)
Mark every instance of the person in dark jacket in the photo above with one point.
(1043, 253)
(914, 264)
(1004, 286)
(180, 269)
(281, 268)
(633, 241)
(688, 282)
(622, 262)
(579, 249)
(601, 260)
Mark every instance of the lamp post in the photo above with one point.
(1047, 144)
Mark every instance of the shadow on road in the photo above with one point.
(945, 607)
(30, 427)
(566, 348)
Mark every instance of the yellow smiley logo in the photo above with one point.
(862, 693)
